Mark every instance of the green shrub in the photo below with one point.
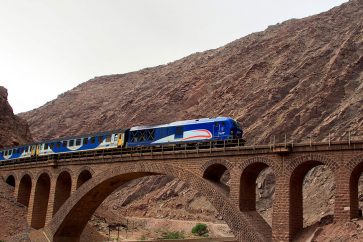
(200, 229)
(142, 238)
(173, 235)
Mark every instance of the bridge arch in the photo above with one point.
(41, 172)
(25, 187)
(84, 174)
(214, 170)
(11, 179)
(250, 170)
(63, 189)
(355, 167)
(41, 197)
(70, 220)
(297, 169)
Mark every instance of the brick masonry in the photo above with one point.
(62, 194)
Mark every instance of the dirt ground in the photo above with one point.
(151, 229)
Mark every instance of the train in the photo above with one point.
(175, 133)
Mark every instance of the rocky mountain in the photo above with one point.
(301, 77)
(14, 130)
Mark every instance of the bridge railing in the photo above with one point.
(349, 136)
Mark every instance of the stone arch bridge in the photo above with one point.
(62, 192)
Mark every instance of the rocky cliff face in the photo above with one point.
(13, 130)
(301, 77)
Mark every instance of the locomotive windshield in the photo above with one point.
(237, 125)
(238, 130)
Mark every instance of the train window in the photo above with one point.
(71, 142)
(150, 134)
(85, 141)
(216, 124)
(46, 146)
(51, 146)
(133, 136)
(223, 123)
(93, 140)
(179, 132)
(108, 138)
(100, 139)
(78, 142)
(64, 143)
(58, 145)
(1, 153)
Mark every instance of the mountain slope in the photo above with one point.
(302, 77)
(13, 130)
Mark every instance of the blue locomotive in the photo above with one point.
(188, 131)
(197, 130)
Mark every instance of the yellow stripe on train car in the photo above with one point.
(120, 141)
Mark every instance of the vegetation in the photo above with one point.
(200, 229)
(173, 235)
(142, 238)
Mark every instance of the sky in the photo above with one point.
(50, 46)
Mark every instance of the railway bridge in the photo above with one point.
(62, 192)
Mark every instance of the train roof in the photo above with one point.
(64, 138)
(181, 123)
(83, 136)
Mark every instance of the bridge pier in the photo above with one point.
(50, 209)
(281, 209)
(31, 204)
(74, 185)
(234, 184)
(344, 206)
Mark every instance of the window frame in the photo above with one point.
(108, 139)
(78, 142)
(71, 142)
